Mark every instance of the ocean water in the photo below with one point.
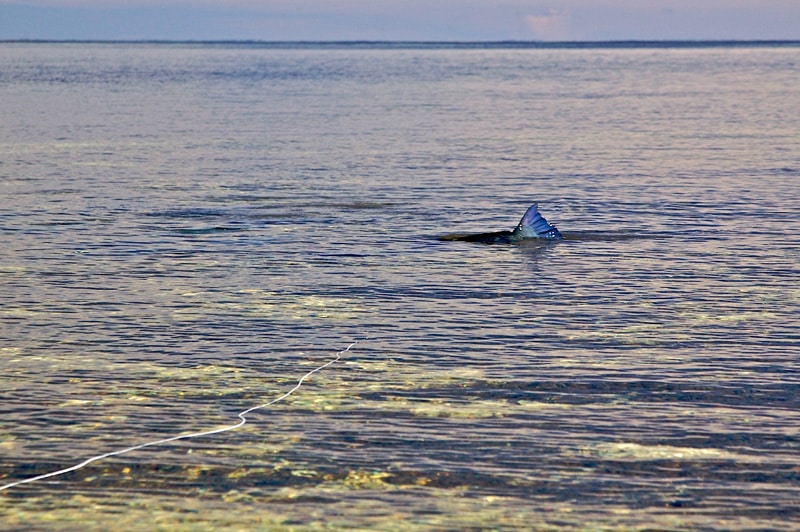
(187, 229)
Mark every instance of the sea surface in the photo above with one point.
(187, 229)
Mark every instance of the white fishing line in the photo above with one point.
(241, 416)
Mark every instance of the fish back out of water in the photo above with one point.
(532, 225)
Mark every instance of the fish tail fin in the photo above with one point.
(533, 225)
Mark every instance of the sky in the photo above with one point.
(400, 20)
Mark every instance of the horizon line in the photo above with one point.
(425, 42)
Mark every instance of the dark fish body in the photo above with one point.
(532, 225)
(498, 237)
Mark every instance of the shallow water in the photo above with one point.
(188, 229)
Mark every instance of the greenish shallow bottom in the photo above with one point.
(362, 501)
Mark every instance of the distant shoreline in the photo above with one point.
(478, 45)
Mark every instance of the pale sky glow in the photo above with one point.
(435, 20)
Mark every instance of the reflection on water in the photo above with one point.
(189, 229)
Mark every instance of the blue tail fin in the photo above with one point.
(533, 225)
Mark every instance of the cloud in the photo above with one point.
(554, 25)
